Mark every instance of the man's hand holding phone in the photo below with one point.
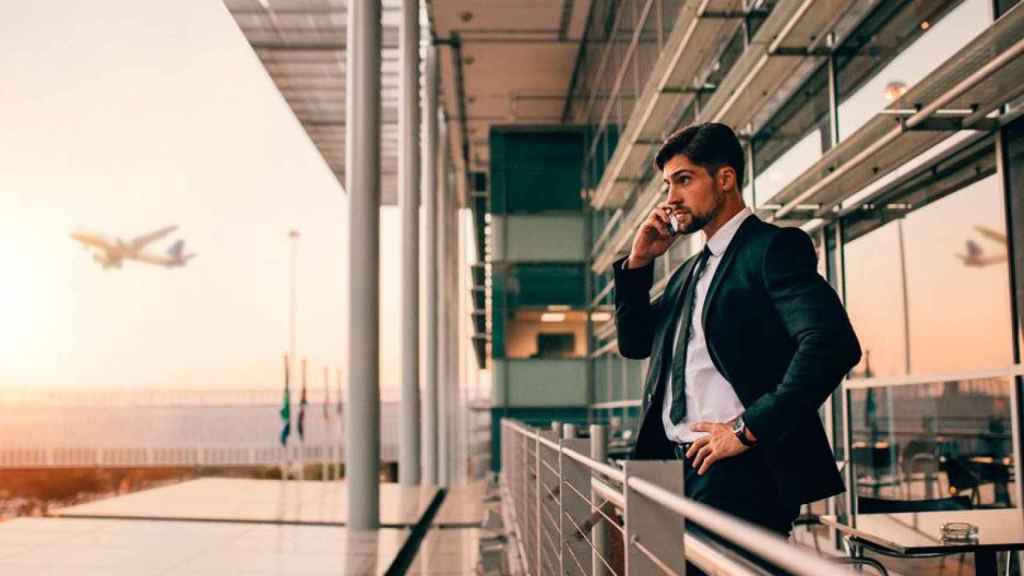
(657, 234)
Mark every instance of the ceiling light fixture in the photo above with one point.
(895, 90)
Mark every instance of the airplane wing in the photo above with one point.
(94, 240)
(141, 241)
(991, 234)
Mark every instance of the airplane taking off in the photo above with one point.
(111, 253)
(976, 257)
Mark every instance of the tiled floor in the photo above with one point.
(233, 499)
(451, 546)
(463, 506)
(85, 547)
(448, 552)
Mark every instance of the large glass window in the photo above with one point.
(934, 439)
(958, 282)
(794, 138)
(800, 156)
(1004, 6)
(898, 45)
(1014, 138)
(929, 293)
(874, 301)
(927, 284)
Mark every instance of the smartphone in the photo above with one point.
(673, 224)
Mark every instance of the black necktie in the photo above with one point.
(679, 356)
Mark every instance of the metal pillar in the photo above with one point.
(430, 419)
(362, 169)
(444, 447)
(454, 405)
(409, 205)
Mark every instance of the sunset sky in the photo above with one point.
(121, 117)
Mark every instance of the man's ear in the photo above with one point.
(727, 178)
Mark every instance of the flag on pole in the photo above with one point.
(327, 395)
(338, 376)
(286, 408)
(302, 405)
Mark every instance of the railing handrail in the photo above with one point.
(763, 543)
(935, 378)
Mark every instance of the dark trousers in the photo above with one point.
(743, 487)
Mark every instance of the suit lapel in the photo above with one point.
(673, 292)
(723, 266)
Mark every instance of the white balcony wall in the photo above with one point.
(538, 238)
(540, 382)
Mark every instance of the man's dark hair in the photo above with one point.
(710, 145)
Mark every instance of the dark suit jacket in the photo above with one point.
(775, 330)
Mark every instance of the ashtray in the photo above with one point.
(959, 532)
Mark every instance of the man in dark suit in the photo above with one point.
(745, 344)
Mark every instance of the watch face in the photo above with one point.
(738, 425)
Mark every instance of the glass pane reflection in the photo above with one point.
(898, 44)
(934, 440)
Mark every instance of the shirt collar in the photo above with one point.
(720, 241)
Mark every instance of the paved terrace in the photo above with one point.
(215, 526)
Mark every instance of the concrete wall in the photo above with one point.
(540, 382)
(538, 238)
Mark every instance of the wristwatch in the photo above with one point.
(739, 428)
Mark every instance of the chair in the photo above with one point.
(961, 478)
(918, 462)
(875, 466)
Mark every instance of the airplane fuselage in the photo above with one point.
(111, 253)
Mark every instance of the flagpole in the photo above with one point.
(302, 425)
(341, 428)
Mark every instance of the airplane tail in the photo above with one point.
(176, 250)
(177, 254)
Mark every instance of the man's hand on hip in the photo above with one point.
(719, 444)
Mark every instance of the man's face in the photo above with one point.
(695, 195)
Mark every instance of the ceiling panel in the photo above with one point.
(301, 43)
(513, 64)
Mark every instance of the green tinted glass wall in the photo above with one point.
(536, 171)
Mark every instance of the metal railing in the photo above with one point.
(573, 513)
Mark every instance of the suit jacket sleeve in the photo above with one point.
(813, 316)
(634, 314)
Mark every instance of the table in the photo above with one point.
(920, 533)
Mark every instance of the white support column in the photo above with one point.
(409, 205)
(430, 349)
(454, 403)
(362, 170)
(443, 318)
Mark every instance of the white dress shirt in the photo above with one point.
(709, 396)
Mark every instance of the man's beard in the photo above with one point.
(699, 221)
